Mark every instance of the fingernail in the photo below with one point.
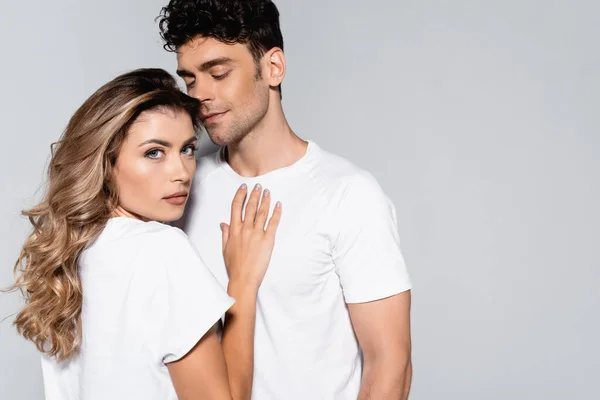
(266, 193)
(221, 226)
(278, 205)
(243, 186)
(257, 187)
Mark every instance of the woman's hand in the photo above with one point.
(247, 244)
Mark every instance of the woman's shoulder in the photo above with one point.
(151, 236)
(124, 227)
(152, 246)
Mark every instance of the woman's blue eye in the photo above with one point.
(189, 150)
(154, 153)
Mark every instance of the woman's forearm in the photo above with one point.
(238, 340)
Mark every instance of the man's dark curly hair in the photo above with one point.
(254, 23)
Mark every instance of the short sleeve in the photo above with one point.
(187, 299)
(366, 252)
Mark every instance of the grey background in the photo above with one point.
(481, 120)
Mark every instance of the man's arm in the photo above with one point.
(376, 287)
(382, 328)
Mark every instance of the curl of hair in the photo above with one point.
(80, 197)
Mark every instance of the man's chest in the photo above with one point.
(301, 258)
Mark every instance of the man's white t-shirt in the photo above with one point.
(147, 300)
(337, 243)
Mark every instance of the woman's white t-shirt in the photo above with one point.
(148, 299)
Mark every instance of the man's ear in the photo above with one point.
(274, 62)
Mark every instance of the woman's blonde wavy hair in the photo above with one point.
(80, 197)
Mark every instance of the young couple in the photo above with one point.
(291, 285)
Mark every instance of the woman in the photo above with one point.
(119, 303)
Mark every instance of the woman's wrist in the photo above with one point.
(244, 308)
(242, 290)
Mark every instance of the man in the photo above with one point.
(337, 283)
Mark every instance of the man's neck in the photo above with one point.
(271, 145)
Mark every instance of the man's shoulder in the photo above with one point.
(339, 172)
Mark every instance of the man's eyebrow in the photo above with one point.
(184, 74)
(205, 66)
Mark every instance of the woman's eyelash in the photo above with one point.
(151, 151)
(192, 147)
(155, 153)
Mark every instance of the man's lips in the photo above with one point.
(210, 117)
